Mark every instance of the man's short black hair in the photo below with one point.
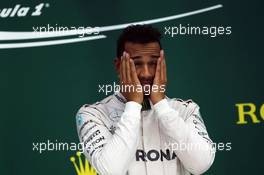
(141, 34)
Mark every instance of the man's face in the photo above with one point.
(145, 57)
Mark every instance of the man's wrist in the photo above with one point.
(136, 101)
(157, 100)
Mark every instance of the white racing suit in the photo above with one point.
(121, 139)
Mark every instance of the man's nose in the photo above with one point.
(145, 72)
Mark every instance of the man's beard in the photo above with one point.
(146, 96)
(146, 104)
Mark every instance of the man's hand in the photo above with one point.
(160, 80)
(129, 79)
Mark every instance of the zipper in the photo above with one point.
(143, 145)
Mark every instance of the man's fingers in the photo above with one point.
(128, 71)
(123, 64)
(133, 72)
(165, 69)
(157, 73)
(161, 66)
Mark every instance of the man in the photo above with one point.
(140, 133)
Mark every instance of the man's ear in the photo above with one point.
(117, 62)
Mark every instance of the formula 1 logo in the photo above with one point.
(22, 11)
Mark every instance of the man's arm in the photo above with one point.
(199, 155)
(192, 131)
(109, 154)
(112, 153)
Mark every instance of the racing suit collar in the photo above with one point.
(146, 105)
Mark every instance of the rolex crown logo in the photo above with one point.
(84, 167)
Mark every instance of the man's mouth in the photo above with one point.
(143, 83)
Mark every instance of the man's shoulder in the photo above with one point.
(99, 105)
(184, 107)
(181, 102)
(102, 108)
(106, 112)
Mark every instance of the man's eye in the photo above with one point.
(138, 64)
(153, 63)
